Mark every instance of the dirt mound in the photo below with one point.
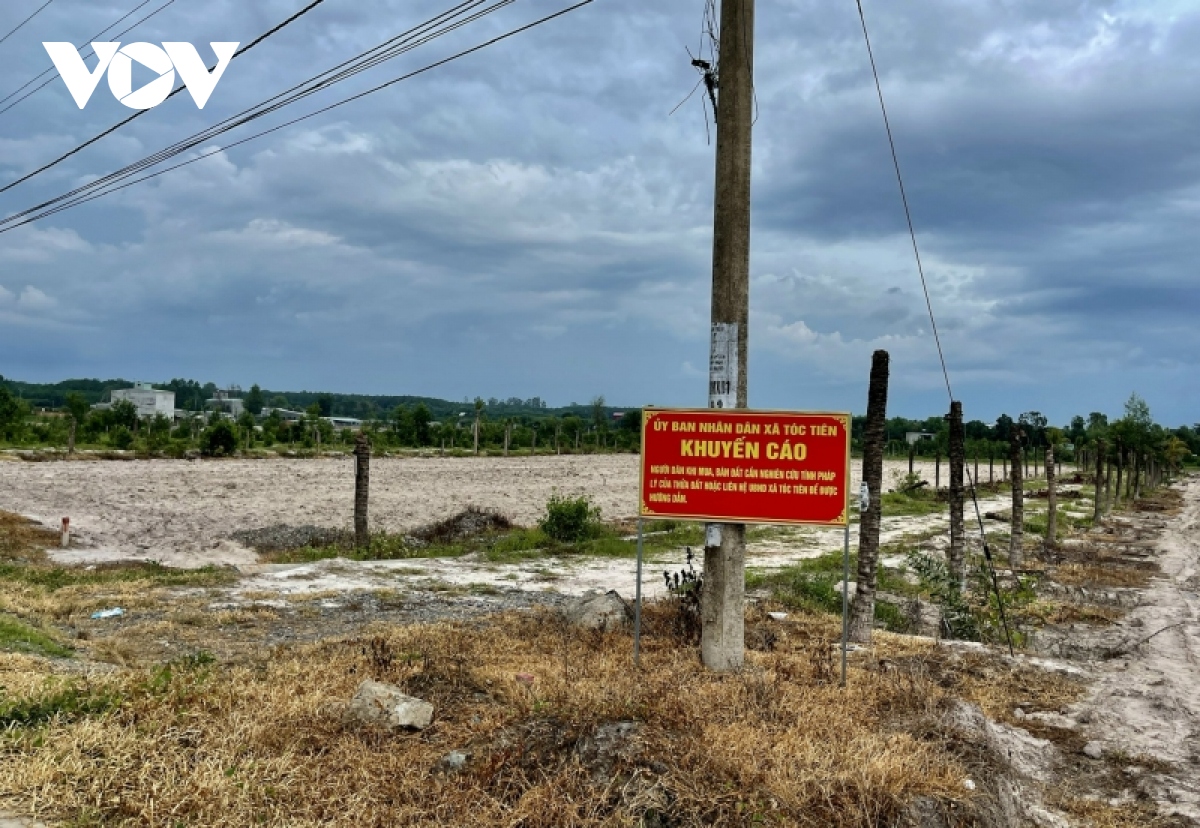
(469, 523)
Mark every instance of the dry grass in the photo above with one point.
(1097, 814)
(1108, 574)
(1066, 612)
(778, 744)
(23, 541)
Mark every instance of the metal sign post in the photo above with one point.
(845, 600)
(637, 603)
(864, 501)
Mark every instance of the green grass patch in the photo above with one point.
(918, 503)
(813, 585)
(58, 577)
(382, 546)
(506, 545)
(18, 637)
(57, 702)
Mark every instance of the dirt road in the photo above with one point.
(1147, 702)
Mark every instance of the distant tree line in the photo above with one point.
(495, 425)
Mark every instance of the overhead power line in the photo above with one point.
(142, 112)
(109, 184)
(30, 216)
(389, 48)
(929, 307)
(89, 53)
(21, 25)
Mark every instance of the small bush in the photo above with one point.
(570, 520)
(120, 437)
(218, 440)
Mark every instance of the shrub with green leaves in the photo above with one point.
(976, 615)
(120, 437)
(219, 439)
(570, 519)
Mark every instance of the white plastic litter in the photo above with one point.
(115, 612)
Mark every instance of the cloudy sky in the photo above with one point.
(533, 220)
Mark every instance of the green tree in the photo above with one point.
(599, 421)
(120, 437)
(77, 406)
(421, 418)
(158, 432)
(247, 423)
(1077, 432)
(402, 426)
(123, 413)
(478, 420)
(255, 402)
(219, 439)
(325, 405)
(13, 411)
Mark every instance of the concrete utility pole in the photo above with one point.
(722, 644)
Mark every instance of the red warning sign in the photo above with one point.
(740, 466)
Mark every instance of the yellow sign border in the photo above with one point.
(645, 511)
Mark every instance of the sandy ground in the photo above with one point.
(181, 513)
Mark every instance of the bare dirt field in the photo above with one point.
(181, 513)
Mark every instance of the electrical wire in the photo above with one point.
(406, 41)
(142, 112)
(90, 197)
(89, 53)
(21, 25)
(929, 307)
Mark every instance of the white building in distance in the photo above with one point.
(148, 399)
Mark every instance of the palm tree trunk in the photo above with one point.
(1110, 495)
(958, 459)
(1120, 472)
(362, 485)
(1098, 505)
(1051, 501)
(862, 613)
(1016, 553)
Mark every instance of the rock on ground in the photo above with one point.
(607, 611)
(376, 703)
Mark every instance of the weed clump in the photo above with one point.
(570, 519)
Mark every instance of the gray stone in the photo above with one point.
(388, 706)
(607, 611)
(455, 760)
(1093, 750)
